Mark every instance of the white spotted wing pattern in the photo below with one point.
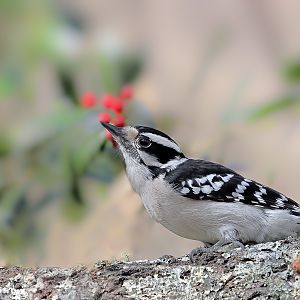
(202, 180)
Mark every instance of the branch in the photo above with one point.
(260, 271)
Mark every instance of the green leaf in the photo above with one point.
(12, 204)
(272, 107)
(105, 166)
(110, 79)
(130, 67)
(120, 70)
(291, 71)
(44, 128)
(9, 83)
(67, 84)
(85, 154)
(5, 145)
(73, 210)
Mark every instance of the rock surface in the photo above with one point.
(260, 271)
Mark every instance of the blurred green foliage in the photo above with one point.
(291, 72)
(49, 158)
(289, 100)
(291, 97)
(272, 107)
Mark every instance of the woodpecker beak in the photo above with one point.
(124, 136)
(117, 132)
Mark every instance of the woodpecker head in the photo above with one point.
(145, 145)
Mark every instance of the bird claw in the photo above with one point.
(200, 250)
(215, 248)
(231, 246)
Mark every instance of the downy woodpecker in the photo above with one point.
(199, 199)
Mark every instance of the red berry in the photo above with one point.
(119, 121)
(88, 100)
(126, 92)
(117, 105)
(108, 135)
(114, 143)
(107, 100)
(104, 117)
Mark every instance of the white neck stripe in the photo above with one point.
(174, 163)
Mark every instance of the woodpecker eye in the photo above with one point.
(144, 142)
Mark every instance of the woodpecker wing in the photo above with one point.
(204, 180)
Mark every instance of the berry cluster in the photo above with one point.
(113, 104)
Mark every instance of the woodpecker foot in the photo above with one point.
(230, 246)
(200, 250)
(218, 247)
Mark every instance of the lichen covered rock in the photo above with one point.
(260, 271)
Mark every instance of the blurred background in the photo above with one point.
(221, 77)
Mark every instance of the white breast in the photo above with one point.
(203, 219)
(137, 173)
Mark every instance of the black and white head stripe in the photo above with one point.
(155, 147)
(158, 137)
(162, 141)
(202, 180)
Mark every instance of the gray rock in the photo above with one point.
(257, 272)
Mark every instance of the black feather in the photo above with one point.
(185, 178)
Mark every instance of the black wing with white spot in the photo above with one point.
(203, 180)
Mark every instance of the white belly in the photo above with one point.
(203, 220)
